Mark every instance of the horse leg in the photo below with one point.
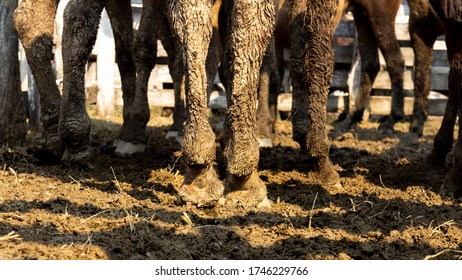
(81, 20)
(442, 144)
(265, 117)
(245, 21)
(424, 27)
(176, 70)
(34, 22)
(192, 26)
(453, 181)
(131, 137)
(312, 62)
(175, 66)
(384, 30)
(370, 66)
(215, 51)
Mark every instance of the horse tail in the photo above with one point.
(452, 9)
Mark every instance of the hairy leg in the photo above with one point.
(81, 20)
(424, 27)
(131, 138)
(265, 115)
(453, 181)
(192, 26)
(246, 21)
(34, 21)
(313, 58)
(370, 66)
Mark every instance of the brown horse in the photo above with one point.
(428, 20)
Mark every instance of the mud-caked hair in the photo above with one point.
(452, 9)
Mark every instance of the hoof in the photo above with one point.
(249, 190)
(48, 148)
(387, 126)
(452, 185)
(201, 186)
(346, 122)
(174, 135)
(416, 129)
(324, 173)
(126, 149)
(386, 130)
(265, 143)
(345, 125)
(82, 158)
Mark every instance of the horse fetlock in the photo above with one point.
(241, 157)
(133, 131)
(198, 146)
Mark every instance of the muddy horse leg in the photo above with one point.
(34, 21)
(132, 135)
(177, 72)
(175, 66)
(192, 25)
(370, 66)
(81, 20)
(384, 30)
(453, 181)
(424, 27)
(265, 116)
(312, 62)
(245, 21)
(443, 141)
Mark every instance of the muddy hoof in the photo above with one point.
(249, 190)
(82, 158)
(324, 172)
(48, 148)
(201, 187)
(452, 185)
(126, 149)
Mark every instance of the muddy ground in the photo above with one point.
(387, 208)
